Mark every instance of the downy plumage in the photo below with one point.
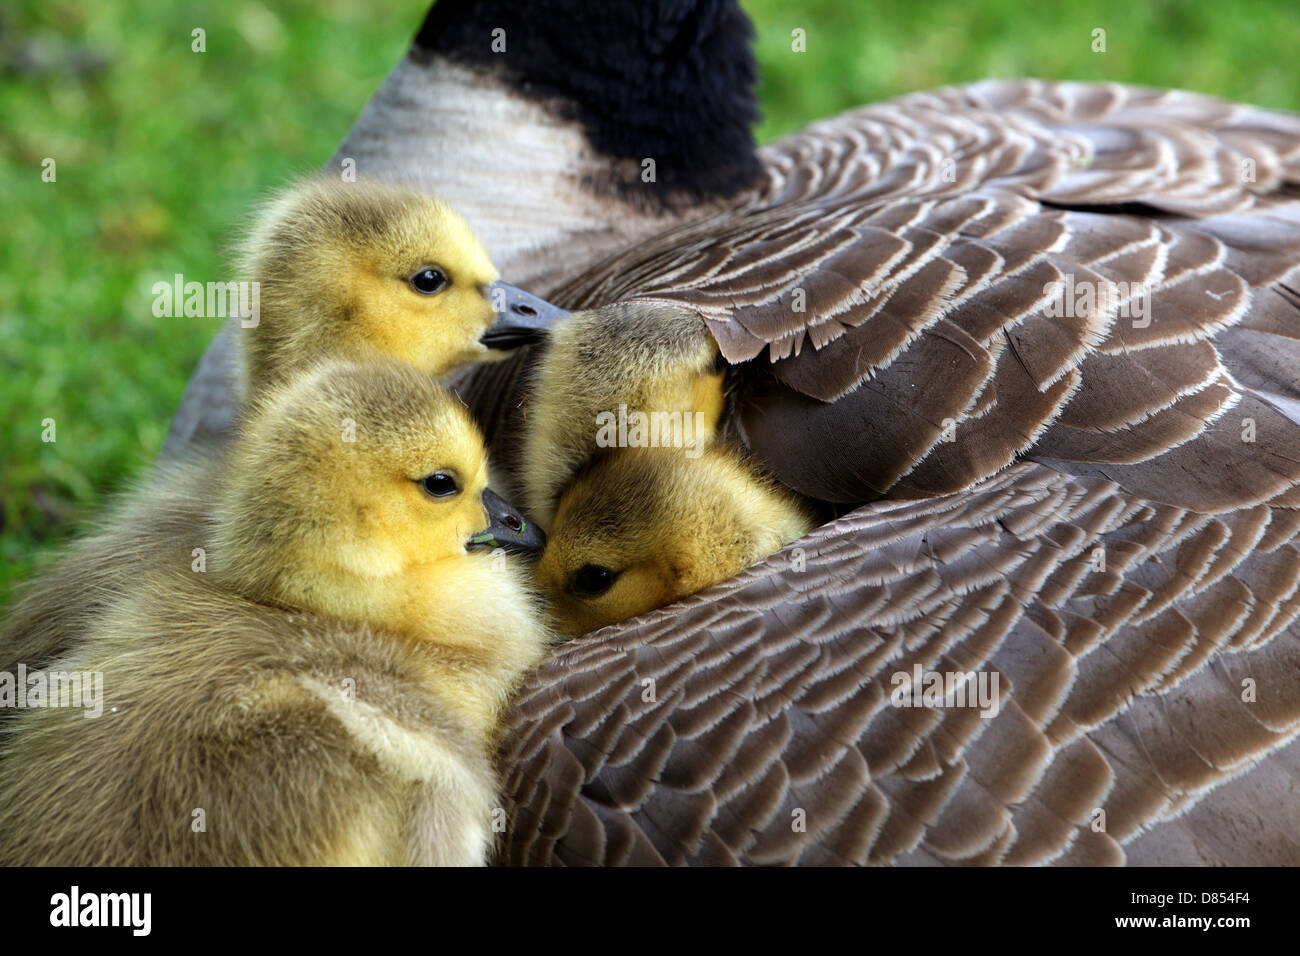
(328, 691)
(639, 516)
(345, 269)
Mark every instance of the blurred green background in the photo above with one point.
(160, 151)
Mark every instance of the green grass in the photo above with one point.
(859, 51)
(159, 151)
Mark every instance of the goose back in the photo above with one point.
(1110, 527)
(1104, 278)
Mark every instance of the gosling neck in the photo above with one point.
(477, 630)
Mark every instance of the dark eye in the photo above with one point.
(440, 484)
(592, 580)
(428, 281)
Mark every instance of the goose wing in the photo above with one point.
(1145, 661)
(1103, 277)
(1106, 517)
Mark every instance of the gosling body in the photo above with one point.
(310, 716)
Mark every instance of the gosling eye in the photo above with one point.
(439, 484)
(592, 580)
(429, 281)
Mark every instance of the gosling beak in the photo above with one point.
(523, 319)
(507, 528)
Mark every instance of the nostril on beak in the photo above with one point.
(513, 523)
(525, 310)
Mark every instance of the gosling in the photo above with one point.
(369, 267)
(329, 691)
(634, 528)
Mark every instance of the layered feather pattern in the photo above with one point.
(1096, 504)
(1101, 276)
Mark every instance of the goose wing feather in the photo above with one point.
(753, 723)
(901, 276)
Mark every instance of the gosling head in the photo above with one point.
(599, 365)
(358, 491)
(368, 267)
(641, 527)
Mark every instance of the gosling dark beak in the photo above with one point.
(507, 528)
(523, 319)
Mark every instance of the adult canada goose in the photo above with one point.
(1114, 536)
(344, 269)
(329, 692)
(1147, 705)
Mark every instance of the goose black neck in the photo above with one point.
(668, 80)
